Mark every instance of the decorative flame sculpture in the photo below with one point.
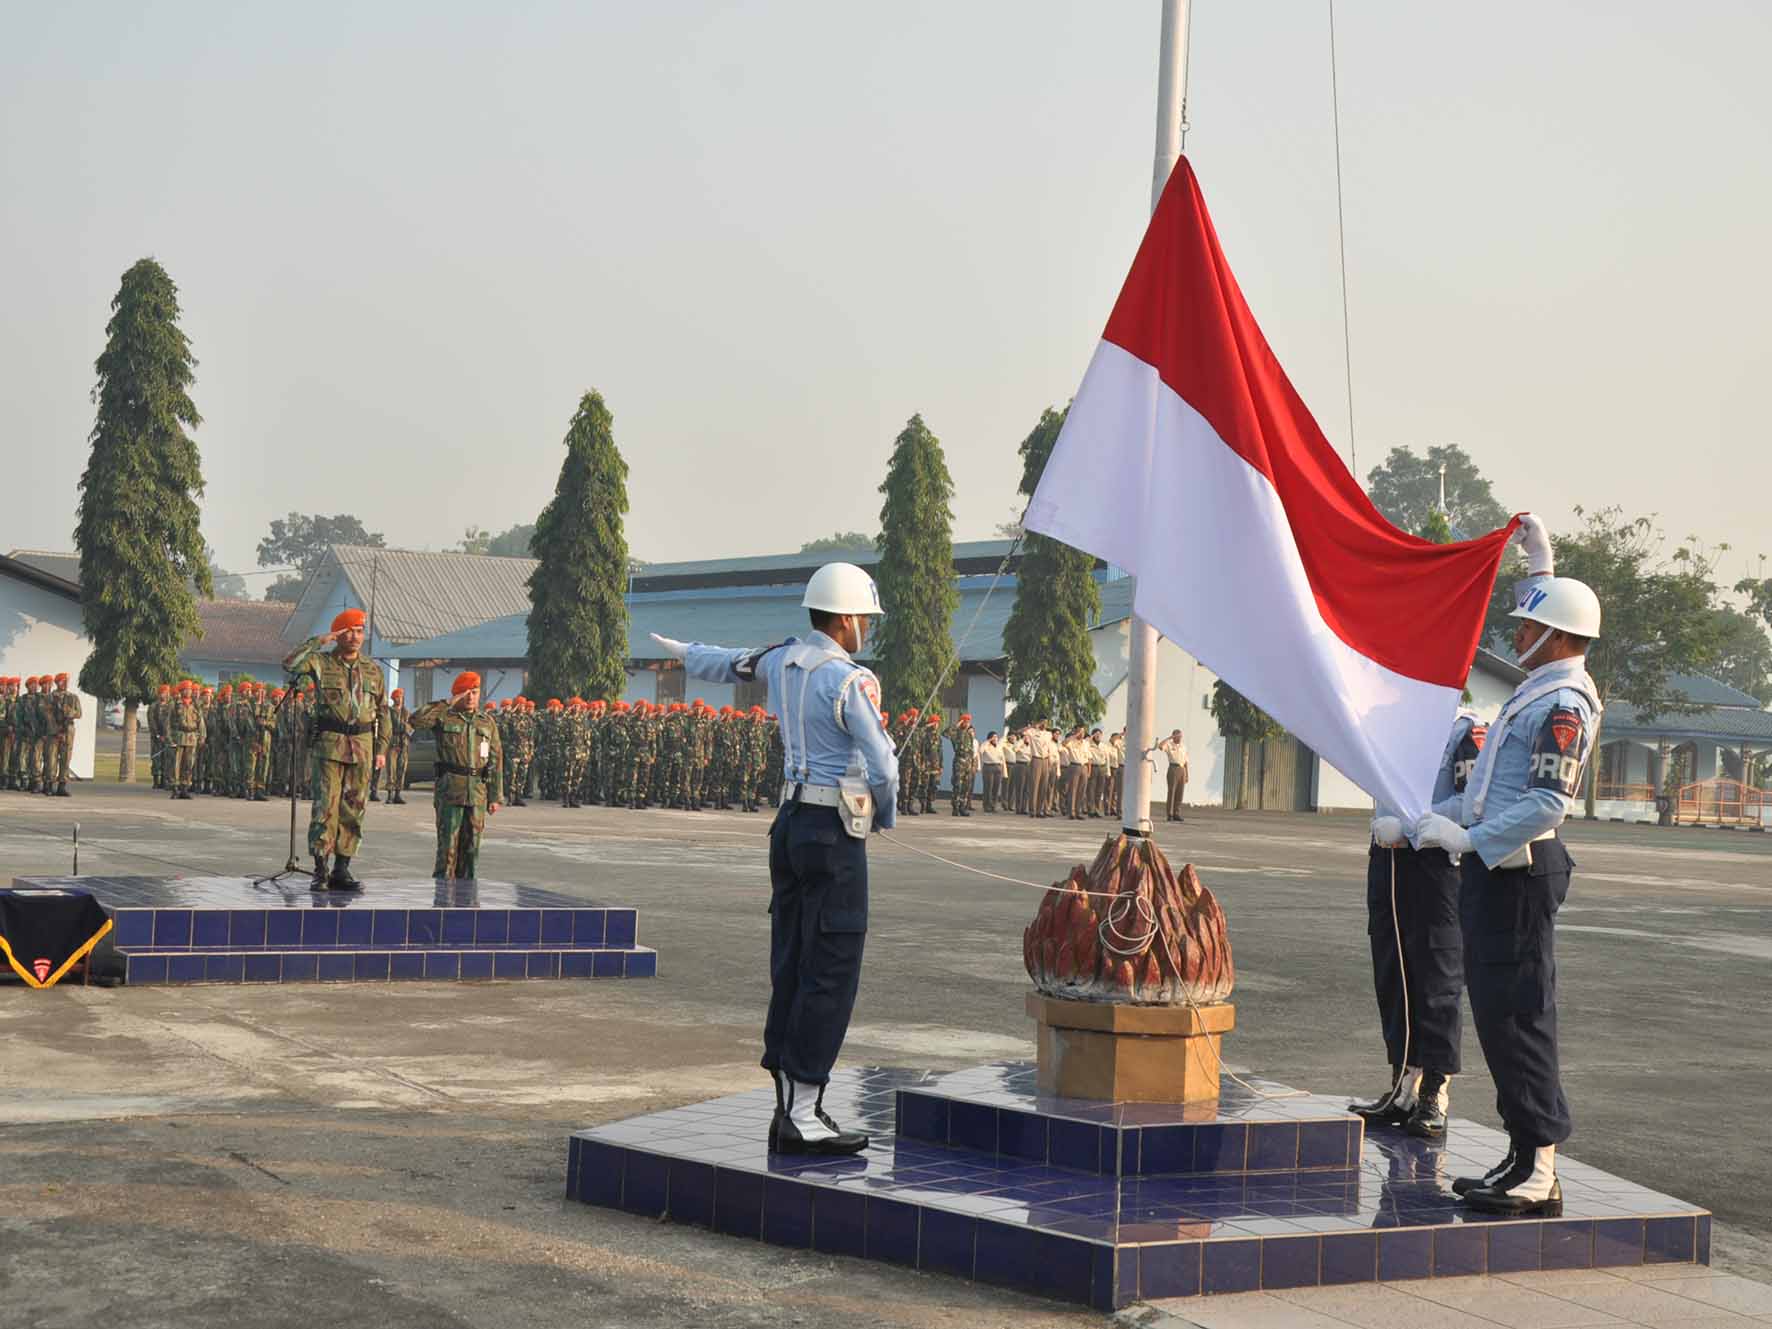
(1130, 930)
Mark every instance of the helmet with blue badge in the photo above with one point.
(1560, 602)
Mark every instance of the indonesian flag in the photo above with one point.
(1189, 460)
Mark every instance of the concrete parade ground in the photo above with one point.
(393, 1155)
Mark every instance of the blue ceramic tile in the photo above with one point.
(1037, 1262)
(1513, 1246)
(1220, 1147)
(1074, 1144)
(1461, 1250)
(606, 964)
(246, 927)
(445, 965)
(891, 1231)
(387, 927)
(692, 1193)
(839, 1222)
(225, 968)
(556, 927)
(1618, 1241)
(599, 1173)
(1291, 1262)
(945, 1243)
(185, 968)
(1567, 1245)
(575, 964)
(642, 964)
(1273, 1146)
(1166, 1149)
(542, 964)
(1021, 1134)
(145, 969)
(264, 969)
(1169, 1270)
(1668, 1240)
(1350, 1257)
(1322, 1144)
(787, 1213)
(424, 927)
(476, 964)
(354, 927)
(973, 1126)
(587, 927)
(738, 1202)
(209, 927)
(458, 927)
(300, 968)
(372, 966)
(319, 927)
(492, 927)
(133, 927)
(1703, 1253)
(1231, 1266)
(172, 927)
(620, 927)
(1123, 1150)
(510, 964)
(337, 967)
(407, 965)
(646, 1187)
(283, 927)
(1406, 1254)
(923, 1118)
(525, 927)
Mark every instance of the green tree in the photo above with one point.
(1744, 654)
(916, 569)
(513, 543)
(301, 540)
(843, 542)
(1436, 528)
(227, 585)
(1238, 717)
(1046, 640)
(1406, 489)
(1656, 613)
(142, 555)
(578, 617)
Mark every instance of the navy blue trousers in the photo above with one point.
(818, 907)
(1510, 967)
(1433, 956)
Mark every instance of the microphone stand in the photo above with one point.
(297, 743)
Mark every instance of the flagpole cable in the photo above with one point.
(1347, 347)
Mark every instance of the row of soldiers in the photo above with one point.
(37, 717)
(1049, 772)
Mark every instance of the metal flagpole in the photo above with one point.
(1141, 680)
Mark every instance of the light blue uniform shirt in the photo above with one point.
(842, 715)
(1532, 777)
(1454, 770)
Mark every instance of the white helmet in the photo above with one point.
(1559, 602)
(842, 588)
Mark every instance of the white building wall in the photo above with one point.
(43, 633)
(642, 686)
(1184, 702)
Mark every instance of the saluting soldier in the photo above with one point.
(185, 728)
(350, 735)
(399, 744)
(965, 743)
(469, 783)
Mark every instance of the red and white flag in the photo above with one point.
(1189, 460)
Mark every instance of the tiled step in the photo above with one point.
(363, 925)
(335, 965)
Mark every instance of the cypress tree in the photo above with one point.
(916, 570)
(142, 555)
(1051, 661)
(578, 617)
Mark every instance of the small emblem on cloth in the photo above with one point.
(1565, 727)
(41, 968)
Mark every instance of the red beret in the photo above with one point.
(348, 618)
(398, 692)
(61, 678)
(466, 681)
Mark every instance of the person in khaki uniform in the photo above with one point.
(469, 784)
(61, 715)
(185, 727)
(1175, 748)
(350, 737)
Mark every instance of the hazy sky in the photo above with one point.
(408, 236)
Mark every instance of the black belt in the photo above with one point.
(325, 724)
(450, 768)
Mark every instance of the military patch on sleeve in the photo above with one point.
(1559, 752)
(1479, 735)
(1464, 756)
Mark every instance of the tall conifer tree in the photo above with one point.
(142, 555)
(1051, 661)
(916, 569)
(578, 619)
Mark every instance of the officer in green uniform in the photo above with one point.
(470, 775)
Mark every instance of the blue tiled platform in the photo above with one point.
(235, 930)
(1060, 1226)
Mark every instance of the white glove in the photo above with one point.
(1388, 832)
(1435, 830)
(1535, 540)
(680, 649)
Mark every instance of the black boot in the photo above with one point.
(788, 1139)
(395, 798)
(374, 796)
(1385, 1110)
(320, 881)
(61, 790)
(1428, 1121)
(1530, 1186)
(341, 878)
(1465, 1185)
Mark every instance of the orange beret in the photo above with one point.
(398, 692)
(165, 688)
(348, 618)
(61, 678)
(466, 681)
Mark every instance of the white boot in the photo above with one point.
(802, 1104)
(1529, 1187)
(1408, 1089)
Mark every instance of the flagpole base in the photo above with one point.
(1117, 1053)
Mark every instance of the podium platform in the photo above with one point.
(979, 1175)
(171, 930)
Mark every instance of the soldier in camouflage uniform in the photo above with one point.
(965, 743)
(157, 709)
(399, 744)
(261, 734)
(929, 760)
(647, 760)
(8, 704)
(350, 737)
(901, 732)
(29, 741)
(547, 753)
(203, 761)
(184, 727)
(574, 752)
(525, 728)
(469, 783)
(673, 756)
